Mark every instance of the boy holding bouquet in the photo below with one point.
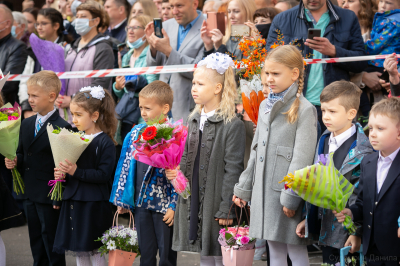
(339, 104)
(35, 163)
(378, 201)
(145, 189)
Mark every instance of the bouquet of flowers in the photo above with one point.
(161, 144)
(10, 123)
(64, 145)
(322, 185)
(251, 65)
(121, 243)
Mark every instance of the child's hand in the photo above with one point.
(224, 222)
(288, 213)
(58, 174)
(169, 217)
(398, 232)
(67, 167)
(56, 207)
(301, 229)
(390, 65)
(341, 215)
(239, 202)
(354, 242)
(122, 210)
(171, 174)
(10, 164)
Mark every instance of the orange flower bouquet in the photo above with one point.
(254, 54)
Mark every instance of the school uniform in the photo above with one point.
(349, 149)
(85, 211)
(36, 165)
(377, 206)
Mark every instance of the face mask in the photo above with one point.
(136, 44)
(263, 29)
(13, 31)
(82, 26)
(74, 6)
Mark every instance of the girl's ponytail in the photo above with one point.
(107, 120)
(290, 56)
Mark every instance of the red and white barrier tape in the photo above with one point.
(176, 69)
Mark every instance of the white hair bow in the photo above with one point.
(96, 92)
(218, 61)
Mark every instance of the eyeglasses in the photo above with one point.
(133, 28)
(43, 24)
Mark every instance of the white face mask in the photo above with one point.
(82, 26)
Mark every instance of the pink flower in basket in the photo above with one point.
(232, 230)
(245, 240)
(244, 231)
(10, 118)
(222, 232)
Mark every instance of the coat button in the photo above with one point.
(370, 213)
(376, 203)
(206, 124)
(203, 145)
(27, 169)
(72, 229)
(267, 129)
(70, 218)
(261, 159)
(369, 226)
(144, 171)
(201, 167)
(263, 142)
(288, 156)
(72, 207)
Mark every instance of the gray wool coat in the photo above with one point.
(221, 163)
(278, 148)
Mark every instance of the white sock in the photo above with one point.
(98, 260)
(2, 253)
(211, 261)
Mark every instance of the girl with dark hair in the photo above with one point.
(50, 26)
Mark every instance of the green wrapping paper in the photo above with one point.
(9, 137)
(322, 186)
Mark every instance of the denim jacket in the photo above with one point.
(157, 193)
(332, 232)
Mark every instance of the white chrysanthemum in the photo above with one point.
(113, 232)
(111, 245)
(122, 233)
(132, 241)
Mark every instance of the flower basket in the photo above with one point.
(121, 243)
(236, 246)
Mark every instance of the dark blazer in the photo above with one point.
(379, 212)
(35, 159)
(94, 173)
(343, 31)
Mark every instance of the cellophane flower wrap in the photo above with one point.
(161, 145)
(64, 145)
(236, 237)
(10, 123)
(322, 185)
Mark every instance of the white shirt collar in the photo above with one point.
(341, 138)
(204, 116)
(117, 26)
(56, 40)
(44, 117)
(391, 157)
(93, 135)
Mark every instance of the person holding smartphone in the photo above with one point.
(340, 37)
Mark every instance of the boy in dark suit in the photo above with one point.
(378, 200)
(339, 104)
(36, 165)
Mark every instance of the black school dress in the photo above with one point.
(10, 215)
(85, 212)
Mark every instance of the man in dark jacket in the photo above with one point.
(118, 11)
(12, 55)
(341, 37)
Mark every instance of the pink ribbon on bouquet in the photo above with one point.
(53, 183)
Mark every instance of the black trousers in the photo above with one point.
(153, 235)
(42, 225)
(375, 258)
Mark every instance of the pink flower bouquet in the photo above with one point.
(161, 145)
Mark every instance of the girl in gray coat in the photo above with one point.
(284, 141)
(212, 161)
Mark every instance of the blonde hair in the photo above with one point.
(347, 92)
(160, 91)
(249, 8)
(388, 107)
(47, 80)
(143, 20)
(149, 9)
(290, 56)
(226, 108)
